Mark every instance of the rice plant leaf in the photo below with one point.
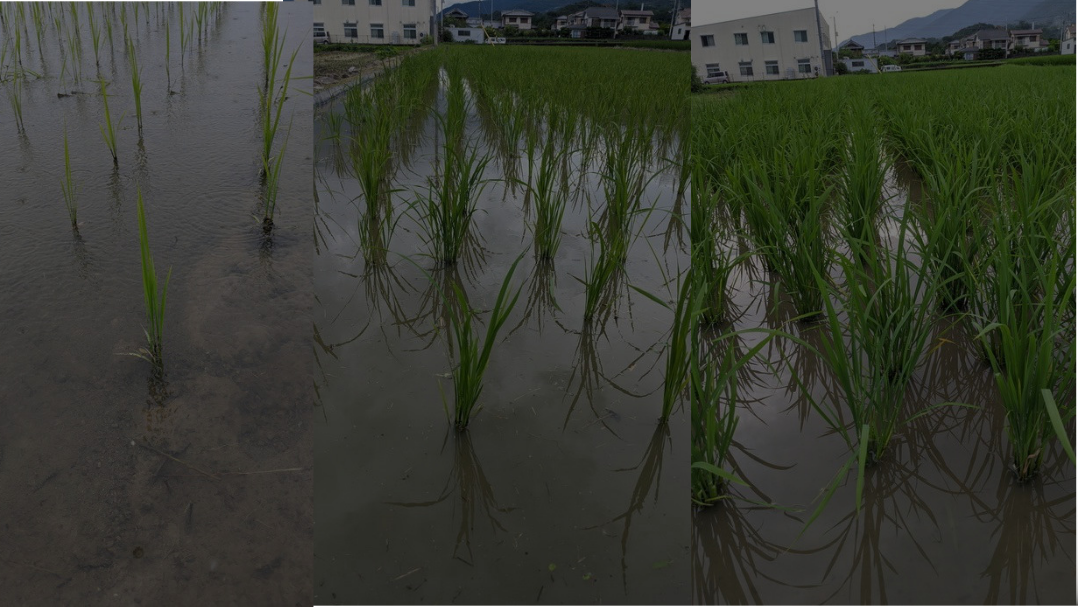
(719, 472)
(1057, 422)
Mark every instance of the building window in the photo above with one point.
(707, 40)
(377, 31)
(741, 39)
(771, 68)
(464, 33)
(409, 31)
(376, 2)
(348, 2)
(858, 64)
(803, 66)
(801, 35)
(319, 30)
(318, 1)
(713, 70)
(746, 68)
(407, 2)
(767, 37)
(351, 30)
(918, 47)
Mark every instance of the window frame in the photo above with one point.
(803, 33)
(767, 37)
(739, 36)
(707, 40)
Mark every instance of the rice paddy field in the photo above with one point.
(155, 239)
(883, 379)
(501, 240)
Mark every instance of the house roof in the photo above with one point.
(516, 12)
(454, 12)
(1026, 32)
(600, 12)
(968, 49)
(852, 44)
(912, 41)
(637, 13)
(992, 35)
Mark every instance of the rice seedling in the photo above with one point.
(272, 185)
(152, 297)
(862, 181)
(69, 189)
(271, 45)
(601, 276)
(14, 94)
(107, 130)
(450, 201)
(550, 201)
(136, 83)
(95, 34)
(472, 355)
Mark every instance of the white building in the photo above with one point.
(913, 46)
(467, 34)
(680, 31)
(861, 64)
(641, 22)
(374, 21)
(1066, 45)
(779, 46)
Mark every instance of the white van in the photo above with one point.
(891, 68)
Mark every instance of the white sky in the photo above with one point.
(852, 17)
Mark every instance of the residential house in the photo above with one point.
(373, 21)
(1029, 40)
(519, 19)
(912, 46)
(855, 49)
(680, 31)
(639, 22)
(787, 45)
(1066, 46)
(994, 38)
(467, 34)
(455, 13)
(595, 16)
(861, 64)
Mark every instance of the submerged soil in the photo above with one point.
(117, 486)
(564, 489)
(943, 521)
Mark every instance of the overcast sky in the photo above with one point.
(852, 17)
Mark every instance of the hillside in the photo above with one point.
(999, 12)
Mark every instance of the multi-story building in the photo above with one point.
(519, 19)
(779, 46)
(1066, 45)
(641, 22)
(374, 21)
(913, 46)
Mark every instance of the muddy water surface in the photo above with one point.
(114, 486)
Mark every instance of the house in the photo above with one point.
(994, 38)
(861, 64)
(1066, 45)
(467, 34)
(639, 22)
(595, 16)
(779, 46)
(1026, 39)
(519, 19)
(680, 31)
(374, 21)
(953, 46)
(912, 46)
(455, 13)
(855, 49)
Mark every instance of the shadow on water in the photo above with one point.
(473, 490)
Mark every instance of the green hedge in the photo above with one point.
(1045, 60)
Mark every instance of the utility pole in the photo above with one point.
(435, 27)
(874, 47)
(835, 27)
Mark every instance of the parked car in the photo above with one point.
(891, 68)
(321, 38)
(720, 78)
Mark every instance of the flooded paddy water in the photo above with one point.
(119, 482)
(564, 487)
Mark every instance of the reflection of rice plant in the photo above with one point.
(95, 34)
(15, 97)
(107, 130)
(68, 187)
(679, 347)
(473, 356)
(168, 52)
(154, 300)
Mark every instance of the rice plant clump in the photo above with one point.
(152, 297)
